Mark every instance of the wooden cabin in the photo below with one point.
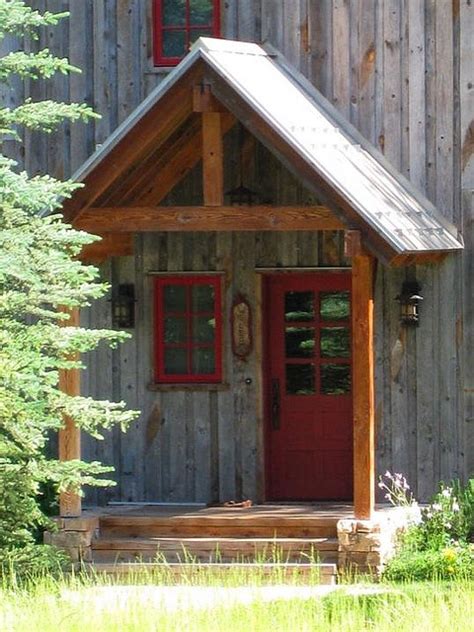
(274, 204)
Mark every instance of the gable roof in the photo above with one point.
(306, 132)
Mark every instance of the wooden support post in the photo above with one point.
(363, 385)
(212, 159)
(70, 435)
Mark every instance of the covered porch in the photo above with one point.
(182, 127)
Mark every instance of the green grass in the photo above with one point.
(103, 605)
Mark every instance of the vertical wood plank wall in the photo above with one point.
(401, 71)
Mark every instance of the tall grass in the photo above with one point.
(228, 603)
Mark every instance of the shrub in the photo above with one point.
(448, 563)
(439, 546)
(30, 561)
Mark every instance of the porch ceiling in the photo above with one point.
(161, 141)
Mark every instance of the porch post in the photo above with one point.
(363, 384)
(70, 435)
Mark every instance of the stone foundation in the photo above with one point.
(74, 536)
(365, 546)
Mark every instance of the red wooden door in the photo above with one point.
(308, 386)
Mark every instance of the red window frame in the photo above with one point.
(158, 29)
(161, 346)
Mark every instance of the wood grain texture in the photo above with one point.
(363, 375)
(70, 434)
(212, 159)
(203, 218)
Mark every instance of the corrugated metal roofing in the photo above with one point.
(384, 199)
(381, 197)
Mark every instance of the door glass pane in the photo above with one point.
(300, 379)
(175, 298)
(299, 342)
(335, 379)
(335, 342)
(203, 329)
(299, 306)
(335, 305)
(175, 330)
(202, 298)
(176, 361)
(200, 11)
(203, 361)
(174, 12)
(174, 43)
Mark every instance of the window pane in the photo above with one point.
(176, 361)
(299, 306)
(174, 43)
(175, 298)
(203, 361)
(300, 379)
(203, 329)
(335, 379)
(335, 342)
(335, 305)
(175, 330)
(200, 11)
(174, 12)
(299, 342)
(203, 298)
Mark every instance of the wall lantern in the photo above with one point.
(409, 300)
(123, 306)
(241, 196)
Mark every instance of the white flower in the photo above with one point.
(455, 506)
(436, 507)
(446, 493)
(387, 473)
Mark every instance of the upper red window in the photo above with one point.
(188, 323)
(179, 23)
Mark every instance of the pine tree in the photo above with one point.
(39, 273)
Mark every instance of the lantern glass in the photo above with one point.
(409, 300)
(123, 307)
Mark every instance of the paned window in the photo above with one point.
(188, 329)
(179, 23)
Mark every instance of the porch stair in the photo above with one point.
(298, 542)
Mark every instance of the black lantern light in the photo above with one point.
(409, 300)
(123, 306)
(241, 196)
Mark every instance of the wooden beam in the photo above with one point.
(153, 128)
(70, 435)
(216, 218)
(111, 245)
(363, 385)
(205, 101)
(212, 159)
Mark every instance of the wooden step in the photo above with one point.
(315, 573)
(214, 549)
(240, 526)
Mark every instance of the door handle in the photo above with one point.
(275, 408)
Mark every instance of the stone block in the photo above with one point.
(68, 539)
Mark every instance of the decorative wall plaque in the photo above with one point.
(241, 327)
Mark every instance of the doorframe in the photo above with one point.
(261, 343)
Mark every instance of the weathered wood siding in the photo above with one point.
(190, 444)
(401, 71)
